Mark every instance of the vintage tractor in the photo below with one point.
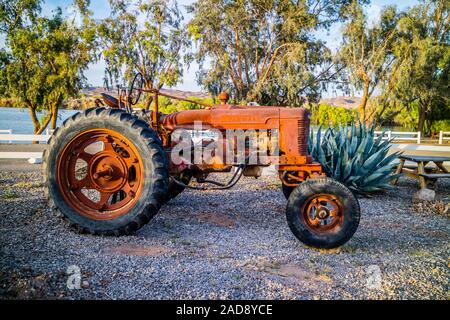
(110, 168)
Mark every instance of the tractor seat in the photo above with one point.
(111, 101)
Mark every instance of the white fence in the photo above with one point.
(443, 135)
(9, 131)
(411, 136)
(399, 135)
(7, 135)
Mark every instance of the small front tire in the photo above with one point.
(323, 213)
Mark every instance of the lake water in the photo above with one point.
(19, 120)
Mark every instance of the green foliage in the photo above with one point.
(420, 85)
(9, 193)
(13, 13)
(366, 52)
(439, 125)
(329, 115)
(264, 50)
(153, 47)
(43, 61)
(167, 105)
(352, 156)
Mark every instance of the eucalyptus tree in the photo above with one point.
(366, 52)
(147, 36)
(14, 13)
(43, 60)
(264, 50)
(423, 84)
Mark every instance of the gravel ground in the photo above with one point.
(231, 244)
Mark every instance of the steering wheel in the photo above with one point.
(135, 89)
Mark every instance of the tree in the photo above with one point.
(13, 14)
(366, 52)
(145, 36)
(263, 50)
(43, 61)
(329, 115)
(423, 84)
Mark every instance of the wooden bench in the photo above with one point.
(428, 169)
(421, 172)
(435, 175)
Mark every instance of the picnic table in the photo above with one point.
(421, 173)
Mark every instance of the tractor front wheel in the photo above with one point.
(323, 213)
(106, 172)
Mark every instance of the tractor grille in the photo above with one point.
(303, 131)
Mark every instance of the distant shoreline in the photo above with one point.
(26, 109)
(74, 104)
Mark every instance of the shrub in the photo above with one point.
(352, 156)
(167, 105)
(328, 115)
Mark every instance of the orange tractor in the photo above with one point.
(109, 169)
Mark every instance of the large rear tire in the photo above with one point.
(323, 213)
(106, 172)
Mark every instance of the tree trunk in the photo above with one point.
(148, 101)
(34, 119)
(362, 106)
(422, 115)
(44, 125)
(54, 117)
(38, 128)
(148, 96)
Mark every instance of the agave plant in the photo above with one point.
(354, 157)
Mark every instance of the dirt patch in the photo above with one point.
(26, 284)
(139, 251)
(297, 274)
(217, 219)
(438, 208)
(290, 273)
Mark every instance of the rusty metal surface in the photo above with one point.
(322, 213)
(291, 124)
(110, 164)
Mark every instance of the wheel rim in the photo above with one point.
(322, 213)
(100, 174)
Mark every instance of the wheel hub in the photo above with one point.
(108, 172)
(322, 212)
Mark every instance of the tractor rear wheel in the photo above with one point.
(323, 213)
(106, 172)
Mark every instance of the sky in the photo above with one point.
(100, 8)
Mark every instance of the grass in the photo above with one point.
(419, 253)
(23, 184)
(9, 194)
